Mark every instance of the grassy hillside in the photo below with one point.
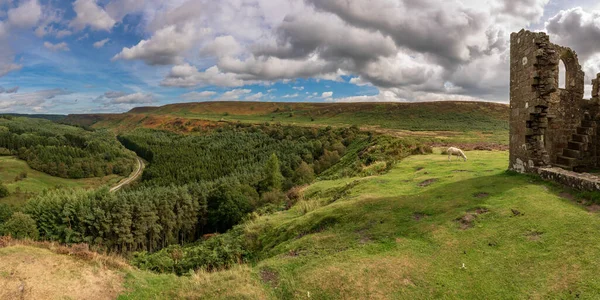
(469, 122)
(427, 229)
(35, 182)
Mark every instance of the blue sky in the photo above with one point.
(111, 55)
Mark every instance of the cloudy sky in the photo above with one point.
(60, 56)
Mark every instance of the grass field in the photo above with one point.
(427, 229)
(35, 182)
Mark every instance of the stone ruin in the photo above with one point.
(553, 129)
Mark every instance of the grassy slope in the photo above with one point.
(389, 237)
(469, 122)
(37, 181)
(34, 273)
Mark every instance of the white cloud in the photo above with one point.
(119, 97)
(56, 47)
(577, 29)
(234, 95)
(90, 14)
(255, 97)
(100, 44)
(164, 48)
(198, 96)
(31, 100)
(291, 96)
(187, 75)
(327, 95)
(222, 46)
(9, 67)
(26, 15)
(63, 33)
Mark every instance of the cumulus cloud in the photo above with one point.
(255, 97)
(578, 29)
(164, 48)
(90, 14)
(119, 97)
(100, 44)
(31, 100)
(443, 31)
(528, 11)
(26, 15)
(56, 47)
(222, 46)
(198, 96)
(327, 95)
(234, 95)
(186, 75)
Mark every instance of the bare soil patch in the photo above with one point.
(428, 182)
(418, 216)
(467, 221)
(593, 208)
(34, 273)
(481, 195)
(270, 277)
(534, 235)
(567, 196)
(481, 210)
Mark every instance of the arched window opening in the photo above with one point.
(562, 75)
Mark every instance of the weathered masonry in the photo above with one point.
(552, 126)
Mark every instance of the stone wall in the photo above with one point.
(543, 117)
(553, 131)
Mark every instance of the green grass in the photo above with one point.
(11, 167)
(392, 236)
(389, 237)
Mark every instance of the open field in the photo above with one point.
(434, 122)
(427, 229)
(35, 182)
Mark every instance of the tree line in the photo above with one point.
(62, 150)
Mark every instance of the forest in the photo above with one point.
(64, 151)
(200, 183)
(239, 151)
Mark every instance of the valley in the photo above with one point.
(252, 209)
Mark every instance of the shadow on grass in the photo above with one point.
(382, 219)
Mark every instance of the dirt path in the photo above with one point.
(132, 177)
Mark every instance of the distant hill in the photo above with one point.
(423, 116)
(38, 116)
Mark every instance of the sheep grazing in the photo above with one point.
(455, 151)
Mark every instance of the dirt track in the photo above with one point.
(131, 178)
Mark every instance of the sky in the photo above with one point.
(100, 56)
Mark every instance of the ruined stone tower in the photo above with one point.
(551, 124)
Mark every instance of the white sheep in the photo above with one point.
(455, 151)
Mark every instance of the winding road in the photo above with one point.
(135, 175)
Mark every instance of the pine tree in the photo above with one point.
(3, 191)
(273, 178)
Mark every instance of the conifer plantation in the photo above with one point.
(204, 182)
(64, 151)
